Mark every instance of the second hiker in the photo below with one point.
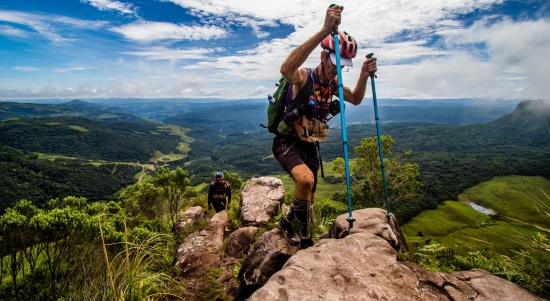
(219, 191)
(297, 153)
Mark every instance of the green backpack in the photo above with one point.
(276, 124)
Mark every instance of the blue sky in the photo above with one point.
(485, 49)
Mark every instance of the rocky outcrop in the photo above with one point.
(192, 215)
(240, 240)
(363, 265)
(261, 199)
(200, 251)
(374, 221)
(268, 256)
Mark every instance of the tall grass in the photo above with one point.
(533, 259)
(140, 271)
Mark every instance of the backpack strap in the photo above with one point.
(304, 93)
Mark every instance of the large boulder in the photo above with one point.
(268, 256)
(201, 251)
(370, 220)
(363, 265)
(261, 199)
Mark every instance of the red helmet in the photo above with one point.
(348, 45)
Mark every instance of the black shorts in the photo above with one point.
(218, 205)
(300, 152)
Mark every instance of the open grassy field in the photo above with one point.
(182, 149)
(457, 224)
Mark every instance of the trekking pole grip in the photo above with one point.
(369, 56)
(335, 29)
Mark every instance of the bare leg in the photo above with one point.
(303, 180)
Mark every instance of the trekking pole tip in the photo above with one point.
(350, 220)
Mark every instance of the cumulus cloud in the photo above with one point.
(512, 63)
(260, 91)
(145, 31)
(107, 5)
(371, 23)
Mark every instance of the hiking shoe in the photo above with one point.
(286, 229)
(306, 243)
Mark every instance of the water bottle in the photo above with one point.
(293, 115)
(333, 109)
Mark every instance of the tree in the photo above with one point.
(144, 199)
(176, 189)
(65, 231)
(18, 238)
(166, 193)
(367, 186)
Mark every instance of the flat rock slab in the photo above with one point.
(364, 266)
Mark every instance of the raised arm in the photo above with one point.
(290, 67)
(356, 96)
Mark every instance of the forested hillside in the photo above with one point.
(88, 139)
(24, 176)
(75, 108)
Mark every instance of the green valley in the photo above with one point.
(456, 224)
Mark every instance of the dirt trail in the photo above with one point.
(142, 171)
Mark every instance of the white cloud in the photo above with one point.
(163, 53)
(70, 69)
(45, 25)
(83, 90)
(512, 64)
(26, 68)
(143, 31)
(260, 91)
(123, 8)
(370, 22)
(13, 32)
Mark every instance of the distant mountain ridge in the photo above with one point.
(88, 139)
(236, 116)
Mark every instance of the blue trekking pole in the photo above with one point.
(350, 218)
(388, 214)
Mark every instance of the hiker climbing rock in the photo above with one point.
(219, 191)
(298, 152)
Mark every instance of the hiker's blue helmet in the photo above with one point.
(218, 175)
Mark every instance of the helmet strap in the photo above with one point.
(323, 62)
